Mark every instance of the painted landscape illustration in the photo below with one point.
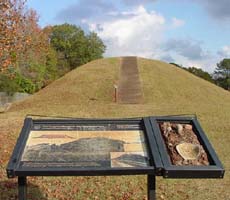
(85, 149)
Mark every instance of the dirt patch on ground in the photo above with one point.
(176, 134)
(129, 84)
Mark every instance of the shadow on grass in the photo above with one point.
(9, 191)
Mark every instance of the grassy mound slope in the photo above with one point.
(88, 92)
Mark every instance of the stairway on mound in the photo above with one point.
(129, 84)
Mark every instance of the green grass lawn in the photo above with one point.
(88, 92)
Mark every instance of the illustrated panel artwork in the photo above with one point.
(86, 147)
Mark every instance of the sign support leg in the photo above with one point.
(151, 181)
(22, 188)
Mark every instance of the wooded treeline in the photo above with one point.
(220, 77)
(31, 57)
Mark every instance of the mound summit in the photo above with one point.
(165, 88)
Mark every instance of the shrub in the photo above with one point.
(8, 84)
(24, 85)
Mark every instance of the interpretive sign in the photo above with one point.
(156, 146)
(89, 147)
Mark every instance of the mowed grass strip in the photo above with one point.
(88, 92)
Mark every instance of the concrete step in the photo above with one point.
(129, 84)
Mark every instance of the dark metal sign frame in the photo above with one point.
(15, 169)
(214, 170)
(159, 161)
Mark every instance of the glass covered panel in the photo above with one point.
(104, 146)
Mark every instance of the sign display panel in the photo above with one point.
(170, 146)
(86, 147)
